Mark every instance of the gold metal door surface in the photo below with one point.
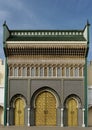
(19, 112)
(45, 109)
(72, 112)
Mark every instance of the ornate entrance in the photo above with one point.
(45, 114)
(19, 111)
(72, 112)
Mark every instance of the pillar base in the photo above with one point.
(28, 125)
(83, 125)
(7, 124)
(62, 125)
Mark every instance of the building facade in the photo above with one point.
(2, 72)
(45, 83)
(89, 93)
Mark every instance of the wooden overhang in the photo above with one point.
(77, 50)
(46, 42)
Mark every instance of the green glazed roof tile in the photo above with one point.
(46, 35)
(55, 38)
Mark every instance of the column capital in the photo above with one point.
(62, 109)
(28, 108)
(8, 108)
(83, 109)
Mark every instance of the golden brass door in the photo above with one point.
(45, 109)
(72, 112)
(19, 112)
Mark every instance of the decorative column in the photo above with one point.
(7, 116)
(28, 123)
(62, 117)
(83, 125)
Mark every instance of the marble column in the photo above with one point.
(62, 117)
(8, 116)
(28, 123)
(83, 124)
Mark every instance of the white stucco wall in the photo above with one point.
(90, 95)
(1, 96)
(2, 73)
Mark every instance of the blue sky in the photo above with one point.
(45, 14)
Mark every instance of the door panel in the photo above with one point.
(40, 103)
(45, 109)
(19, 112)
(72, 112)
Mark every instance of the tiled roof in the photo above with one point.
(46, 35)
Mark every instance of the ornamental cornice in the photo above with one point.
(58, 61)
(46, 45)
(46, 42)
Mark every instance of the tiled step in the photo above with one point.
(42, 128)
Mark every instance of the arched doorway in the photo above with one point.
(45, 109)
(1, 115)
(19, 111)
(90, 116)
(72, 112)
